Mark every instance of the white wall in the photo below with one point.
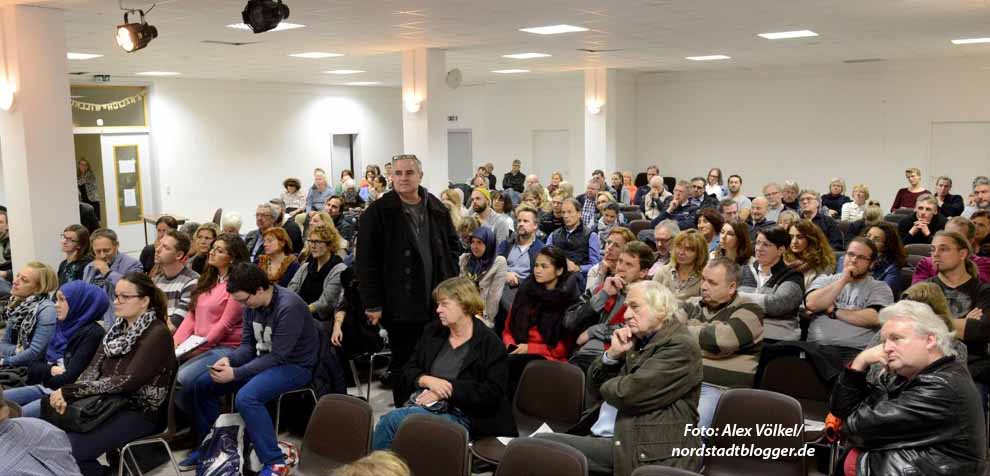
(230, 144)
(503, 115)
(866, 123)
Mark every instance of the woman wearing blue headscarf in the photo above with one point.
(79, 307)
(486, 270)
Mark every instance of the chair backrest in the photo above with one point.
(794, 376)
(339, 428)
(656, 470)
(913, 260)
(918, 249)
(757, 410)
(632, 215)
(907, 274)
(894, 218)
(549, 391)
(844, 228)
(637, 226)
(217, 216)
(904, 211)
(539, 457)
(433, 446)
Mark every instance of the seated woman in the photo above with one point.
(75, 245)
(278, 262)
(853, 210)
(293, 197)
(213, 316)
(502, 203)
(733, 243)
(682, 274)
(203, 240)
(710, 224)
(836, 198)
(318, 280)
(486, 270)
(30, 317)
(775, 287)
(458, 371)
(872, 214)
(136, 361)
(650, 395)
(891, 256)
(79, 307)
(809, 253)
(534, 327)
(787, 218)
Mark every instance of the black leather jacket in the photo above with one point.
(929, 425)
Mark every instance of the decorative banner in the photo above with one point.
(110, 106)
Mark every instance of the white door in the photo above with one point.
(127, 182)
(551, 153)
(960, 151)
(459, 159)
(341, 158)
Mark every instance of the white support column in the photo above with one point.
(609, 120)
(424, 113)
(36, 145)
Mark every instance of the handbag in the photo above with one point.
(13, 377)
(85, 414)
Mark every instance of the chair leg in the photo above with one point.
(126, 450)
(354, 374)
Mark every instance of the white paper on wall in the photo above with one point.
(130, 197)
(127, 166)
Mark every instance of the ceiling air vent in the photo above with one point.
(591, 50)
(863, 60)
(79, 73)
(230, 43)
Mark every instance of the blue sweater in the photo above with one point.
(34, 351)
(279, 334)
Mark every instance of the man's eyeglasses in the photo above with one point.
(317, 242)
(66, 238)
(853, 256)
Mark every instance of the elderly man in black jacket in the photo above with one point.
(406, 246)
(923, 415)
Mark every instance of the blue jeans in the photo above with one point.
(189, 371)
(389, 423)
(250, 404)
(710, 395)
(29, 398)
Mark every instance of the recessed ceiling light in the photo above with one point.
(81, 56)
(970, 41)
(708, 58)
(510, 71)
(344, 71)
(315, 55)
(362, 83)
(553, 29)
(783, 35)
(281, 26)
(158, 73)
(526, 55)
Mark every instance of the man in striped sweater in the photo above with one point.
(174, 278)
(729, 330)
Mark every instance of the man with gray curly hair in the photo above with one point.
(926, 415)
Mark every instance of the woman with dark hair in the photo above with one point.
(278, 262)
(214, 316)
(809, 253)
(534, 324)
(714, 184)
(75, 245)
(202, 242)
(293, 196)
(775, 287)
(710, 224)
(733, 243)
(79, 307)
(136, 361)
(891, 256)
(486, 270)
(502, 203)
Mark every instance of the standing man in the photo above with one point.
(515, 179)
(407, 246)
(735, 193)
(176, 280)
(979, 199)
(108, 266)
(772, 193)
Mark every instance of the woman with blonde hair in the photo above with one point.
(853, 210)
(378, 463)
(809, 253)
(836, 197)
(30, 316)
(555, 179)
(682, 274)
(455, 349)
(567, 189)
(318, 280)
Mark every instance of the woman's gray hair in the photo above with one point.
(231, 220)
(658, 297)
(924, 321)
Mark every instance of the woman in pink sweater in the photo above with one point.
(213, 314)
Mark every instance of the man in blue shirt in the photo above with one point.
(520, 253)
(108, 266)
(279, 348)
(33, 447)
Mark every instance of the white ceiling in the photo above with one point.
(652, 35)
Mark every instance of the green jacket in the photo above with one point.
(656, 391)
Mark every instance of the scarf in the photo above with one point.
(535, 305)
(120, 338)
(87, 303)
(479, 266)
(23, 316)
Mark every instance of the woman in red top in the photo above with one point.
(908, 196)
(535, 322)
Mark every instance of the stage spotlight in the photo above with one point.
(264, 15)
(134, 36)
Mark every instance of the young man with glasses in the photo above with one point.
(844, 306)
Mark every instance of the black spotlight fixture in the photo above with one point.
(134, 36)
(264, 15)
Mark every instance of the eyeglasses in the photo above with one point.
(853, 256)
(317, 242)
(126, 297)
(66, 238)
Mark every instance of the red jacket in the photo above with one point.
(536, 345)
